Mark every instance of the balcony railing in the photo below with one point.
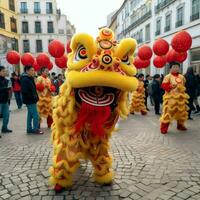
(179, 23)
(37, 11)
(38, 30)
(139, 21)
(162, 5)
(157, 33)
(2, 25)
(194, 17)
(24, 10)
(167, 28)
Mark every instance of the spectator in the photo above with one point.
(53, 77)
(4, 99)
(146, 86)
(16, 85)
(30, 98)
(197, 94)
(191, 86)
(58, 83)
(156, 93)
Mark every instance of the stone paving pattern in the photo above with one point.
(147, 165)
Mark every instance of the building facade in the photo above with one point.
(39, 23)
(9, 37)
(147, 20)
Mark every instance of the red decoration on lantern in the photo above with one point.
(160, 47)
(50, 66)
(43, 60)
(56, 49)
(145, 52)
(13, 57)
(36, 66)
(181, 42)
(139, 64)
(69, 50)
(27, 59)
(159, 61)
(61, 62)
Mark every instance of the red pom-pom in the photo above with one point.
(160, 47)
(139, 64)
(40, 87)
(53, 88)
(50, 66)
(36, 66)
(27, 59)
(159, 61)
(56, 49)
(69, 50)
(145, 52)
(61, 62)
(43, 60)
(13, 57)
(181, 42)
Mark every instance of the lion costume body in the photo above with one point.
(44, 89)
(138, 100)
(94, 95)
(175, 102)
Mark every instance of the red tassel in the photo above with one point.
(96, 116)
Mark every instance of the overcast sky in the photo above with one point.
(88, 15)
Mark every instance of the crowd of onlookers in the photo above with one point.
(14, 86)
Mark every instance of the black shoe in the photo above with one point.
(30, 131)
(157, 113)
(148, 109)
(6, 131)
(0, 136)
(190, 118)
(197, 111)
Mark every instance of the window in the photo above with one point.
(24, 7)
(13, 25)
(12, 5)
(179, 17)
(147, 32)
(38, 27)
(39, 46)
(25, 28)
(195, 10)
(168, 22)
(26, 46)
(37, 7)
(2, 20)
(50, 27)
(140, 40)
(15, 45)
(158, 27)
(49, 8)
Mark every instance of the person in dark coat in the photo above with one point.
(190, 85)
(30, 98)
(156, 93)
(16, 85)
(4, 100)
(146, 86)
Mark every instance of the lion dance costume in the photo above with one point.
(94, 95)
(138, 101)
(175, 102)
(44, 89)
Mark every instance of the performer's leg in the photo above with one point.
(102, 162)
(49, 121)
(181, 125)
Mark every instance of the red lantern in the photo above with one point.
(160, 47)
(159, 61)
(61, 62)
(145, 52)
(171, 56)
(56, 49)
(181, 42)
(69, 50)
(139, 64)
(36, 66)
(43, 60)
(13, 57)
(50, 66)
(180, 57)
(27, 59)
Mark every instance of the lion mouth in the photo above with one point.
(98, 96)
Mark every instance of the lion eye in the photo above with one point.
(81, 53)
(125, 60)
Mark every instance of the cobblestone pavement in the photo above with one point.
(147, 165)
